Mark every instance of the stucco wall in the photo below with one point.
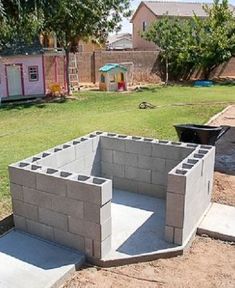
(144, 64)
(30, 88)
(144, 14)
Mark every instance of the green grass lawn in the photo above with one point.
(28, 129)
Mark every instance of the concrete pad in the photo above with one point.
(28, 261)
(138, 225)
(219, 222)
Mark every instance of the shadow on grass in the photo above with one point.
(6, 106)
(20, 106)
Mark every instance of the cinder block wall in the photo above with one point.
(53, 200)
(62, 206)
(138, 164)
(80, 156)
(188, 194)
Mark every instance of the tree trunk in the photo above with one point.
(67, 72)
(207, 72)
(167, 71)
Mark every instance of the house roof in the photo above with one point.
(118, 37)
(111, 66)
(175, 8)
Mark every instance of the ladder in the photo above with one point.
(73, 72)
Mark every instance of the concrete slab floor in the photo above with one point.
(219, 222)
(137, 225)
(27, 261)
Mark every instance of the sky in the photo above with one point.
(127, 27)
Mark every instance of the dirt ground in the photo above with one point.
(224, 189)
(208, 263)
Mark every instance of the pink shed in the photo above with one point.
(22, 76)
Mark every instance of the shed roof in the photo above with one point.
(22, 48)
(111, 66)
(175, 8)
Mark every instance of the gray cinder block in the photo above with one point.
(174, 210)
(48, 182)
(106, 229)
(65, 156)
(178, 236)
(139, 147)
(20, 222)
(138, 174)
(71, 240)
(112, 143)
(89, 247)
(67, 206)
(113, 169)
(128, 159)
(21, 175)
(167, 151)
(125, 184)
(176, 183)
(86, 228)
(97, 193)
(159, 178)
(41, 230)
(26, 210)
(53, 218)
(16, 191)
(37, 198)
(107, 155)
(152, 163)
(169, 234)
(101, 249)
(96, 213)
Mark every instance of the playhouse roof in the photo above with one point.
(111, 66)
(18, 47)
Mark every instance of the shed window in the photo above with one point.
(144, 26)
(33, 73)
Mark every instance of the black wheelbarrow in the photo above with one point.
(200, 134)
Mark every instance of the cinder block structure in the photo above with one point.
(65, 194)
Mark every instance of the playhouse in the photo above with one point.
(28, 72)
(113, 77)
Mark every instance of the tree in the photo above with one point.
(72, 20)
(175, 39)
(215, 36)
(19, 22)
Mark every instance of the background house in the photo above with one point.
(150, 11)
(121, 41)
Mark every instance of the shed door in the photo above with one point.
(14, 80)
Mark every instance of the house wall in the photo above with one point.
(144, 14)
(30, 88)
